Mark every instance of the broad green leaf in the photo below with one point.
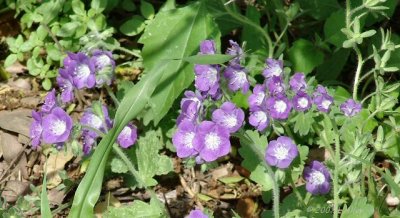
(78, 7)
(332, 66)
(133, 26)
(118, 166)
(149, 161)
(303, 123)
(50, 10)
(138, 209)
(12, 58)
(258, 173)
(319, 10)
(209, 59)
(305, 56)
(332, 28)
(44, 201)
(135, 100)
(358, 208)
(147, 9)
(68, 29)
(46, 84)
(175, 34)
(248, 33)
(98, 5)
(168, 5)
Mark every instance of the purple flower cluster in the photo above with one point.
(51, 124)
(81, 71)
(270, 100)
(350, 108)
(281, 152)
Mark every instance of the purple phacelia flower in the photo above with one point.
(104, 66)
(281, 152)
(279, 107)
(207, 78)
(350, 108)
(274, 68)
(81, 69)
(64, 81)
(191, 106)
(56, 126)
(317, 178)
(259, 119)
(236, 51)
(101, 122)
(183, 139)
(229, 116)
(87, 142)
(212, 141)
(275, 85)
(196, 214)
(190, 97)
(322, 99)
(36, 129)
(208, 47)
(301, 101)
(237, 78)
(257, 98)
(50, 102)
(128, 136)
(298, 82)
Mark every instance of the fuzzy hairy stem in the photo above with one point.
(358, 72)
(336, 170)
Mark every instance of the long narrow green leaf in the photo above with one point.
(209, 59)
(44, 201)
(133, 103)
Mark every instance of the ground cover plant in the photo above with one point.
(207, 108)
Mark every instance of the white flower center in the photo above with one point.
(259, 98)
(280, 106)
(325, 104)
(317, 178)
(103, 60)
(212, 75)
(96, 122)
(188, 139)
(230, 121)
(126, 132)
(58, 127)
(303, 102)
(82, 71)
(261, 116)
(276, 71)
(240, 78)
(281, 152)
(212, 141)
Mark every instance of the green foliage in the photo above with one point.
(150, 162)
(118, 166)
(174, 34)
(258, 173)
(305, 56)
(358, 208)
(139, 209)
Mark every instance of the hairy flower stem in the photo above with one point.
(111, 93)
(129, 164)
(358, 72)
(336, 170)
(258, 153)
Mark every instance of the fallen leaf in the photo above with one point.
(10, 146)
(246, 207)
(14, 189)
(54, 164)
(18, 121)
(56, 196)
(109, 200)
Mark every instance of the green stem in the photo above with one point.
(247, 21)
(111, 93)
(296, 191)
(358, 72)
(258, 153)
(133, 53)
(129, 164)
(348, 13)
(336, 170)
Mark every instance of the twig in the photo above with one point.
(11, 164)
(186, 187)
